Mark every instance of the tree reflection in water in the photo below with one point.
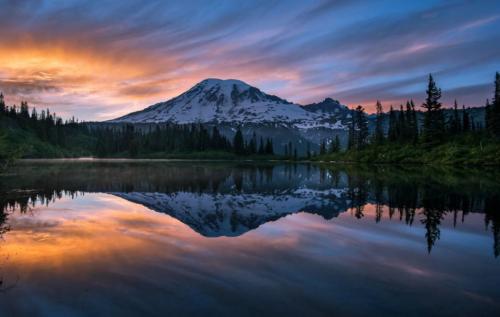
(402, 193)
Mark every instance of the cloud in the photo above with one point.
(20, 87)
(122, 56)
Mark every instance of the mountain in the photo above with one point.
(233, 214)
(232, 104)
(327, 106)
(233, 101)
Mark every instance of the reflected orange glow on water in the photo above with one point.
(104, 229)
(104, 252)
(58, 237)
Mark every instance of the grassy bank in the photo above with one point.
(457, 152)
(203, 155)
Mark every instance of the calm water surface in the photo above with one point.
(222, 239)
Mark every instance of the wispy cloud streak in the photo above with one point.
(99, 59)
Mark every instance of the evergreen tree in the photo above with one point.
(466, 124)
(362, 128)
(24, 111)
(455, 125)
(379, 125)
(402, 127)
(252, 145)
(239, 143)
(433, 130)
(269, 147)
(335, 145)
(34, 115)
(414, 122)
(261, 146)
(338, 146)
(3, 109)
(411, 122)
(488, 117)
(495, 109)
(322, 148)
(392, 133)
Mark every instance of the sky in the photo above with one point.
(98, 60)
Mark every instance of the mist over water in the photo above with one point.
(189, 238)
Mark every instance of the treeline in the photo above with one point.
(253, 146)
(46, 125)
(173, 138)
(405, 127)
(126, 139)
(113, 140)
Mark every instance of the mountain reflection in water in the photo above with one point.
(220, 200)
(247, 239)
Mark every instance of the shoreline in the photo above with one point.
(208, 160)
(124, 160)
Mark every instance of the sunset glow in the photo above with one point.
(97, 61)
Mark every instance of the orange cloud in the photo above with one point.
(64, 74)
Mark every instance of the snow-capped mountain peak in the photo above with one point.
(226, 85)
(231, 101)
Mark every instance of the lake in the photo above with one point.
(102, 238)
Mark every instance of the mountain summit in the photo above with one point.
(232, 101)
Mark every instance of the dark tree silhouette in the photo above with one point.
(433, 129)
(379, 127)
(238, 143)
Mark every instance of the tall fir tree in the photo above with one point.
(434, 125)
(411, 122)
(239, 143)
(361, 132)
(403, 128)
(335, 145)
(414, 119)
(455, 124)
(261, 146)
(488, 117)
(495, 109)
(252, 145)
(392, 134)
(269, 147)
(322, 147)
(408, 119)
(379, 124)
(466, 123)
(2, 105)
